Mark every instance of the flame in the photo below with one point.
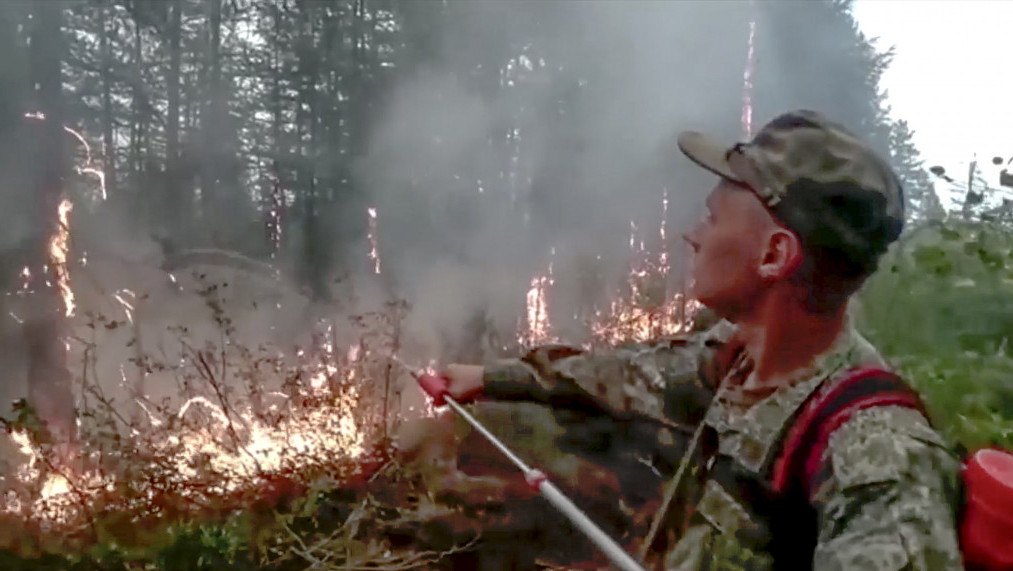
(642, 310)
(645, 309)
(626, 322)
(374, 252)
(264, 447)
(206, 448)
(537, 312)
(58, 249)
(261, 447)
(538, 325)
(57, 498)
(55, 485)
(663, 256)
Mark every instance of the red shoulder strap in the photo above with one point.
(801, 458)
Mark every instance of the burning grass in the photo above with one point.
(224, 449)
(260, 458)
(248, 457)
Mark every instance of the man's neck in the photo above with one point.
(782, 338)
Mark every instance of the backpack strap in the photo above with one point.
(801, 458)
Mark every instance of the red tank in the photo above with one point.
(986, 533)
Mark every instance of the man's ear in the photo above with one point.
(782, 256)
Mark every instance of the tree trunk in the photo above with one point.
(307, 109)
(49, 380)
(137, 96)
(211, 119)
(15, 163)
(276, 204)
(108, 138)
(174, 191)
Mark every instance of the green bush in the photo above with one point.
(941, 308)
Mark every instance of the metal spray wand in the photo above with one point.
(436, 387)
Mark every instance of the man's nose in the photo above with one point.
(690, 238)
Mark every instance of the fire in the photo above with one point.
(538, 313)
(663, 256)
(59, 242)
(374, 252)
(642, 310)
(58, 248)
(206, 450)
(57, 493)
(260, 447)
(645, 309)
(289, 435)
(625, 322)
(220, 448)
(538, 325)
(209, 447)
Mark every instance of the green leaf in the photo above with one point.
(934, 259)
(949, 233)
(992, 260)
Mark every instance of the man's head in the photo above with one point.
(804, 207)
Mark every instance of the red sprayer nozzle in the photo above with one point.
(435, 387)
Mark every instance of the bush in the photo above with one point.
(941, 308)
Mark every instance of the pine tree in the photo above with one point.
(813, 55)
(45, 326)
(919, 191)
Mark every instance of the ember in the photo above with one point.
(374, 252)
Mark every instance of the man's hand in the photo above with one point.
(464, 382)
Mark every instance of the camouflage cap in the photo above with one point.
(800, 151)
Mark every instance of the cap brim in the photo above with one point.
(707, 152)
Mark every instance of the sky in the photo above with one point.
(951, 77)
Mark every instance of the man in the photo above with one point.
(796, 224)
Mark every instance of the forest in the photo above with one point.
(231, 227)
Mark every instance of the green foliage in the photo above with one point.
(188, 547)
(941, 308)
(207, 547)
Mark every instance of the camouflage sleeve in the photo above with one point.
(891, 500)
(661, 380)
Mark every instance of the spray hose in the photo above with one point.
(436, 387)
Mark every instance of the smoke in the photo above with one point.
(476, 184)
(813, 58)
(518, 136)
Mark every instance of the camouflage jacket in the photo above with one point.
(889, 503)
